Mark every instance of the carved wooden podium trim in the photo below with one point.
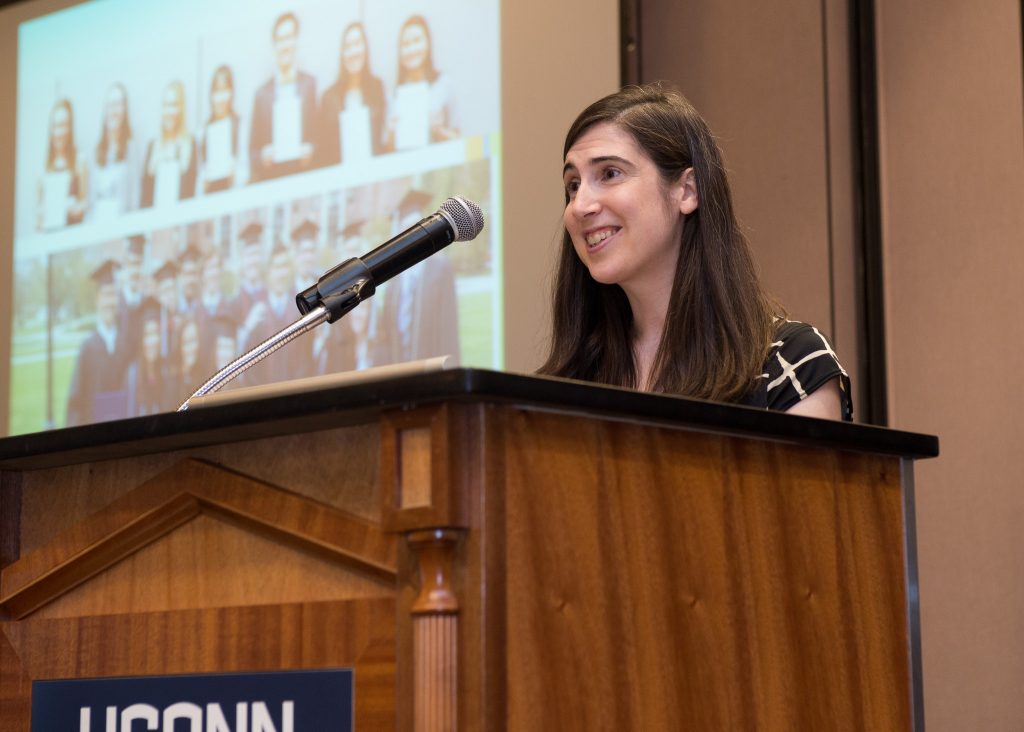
(435, 632)
(170, 500)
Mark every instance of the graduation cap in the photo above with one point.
(105, 273)
(137, 245)
(307, 229)
(353, 229)
(252, 233)
(413, 202)
(165, 271)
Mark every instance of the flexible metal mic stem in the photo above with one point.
(241, 364)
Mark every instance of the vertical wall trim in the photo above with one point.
(630, 71)
(827, 119)
(870, 275)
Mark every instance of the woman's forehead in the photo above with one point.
(605, 139)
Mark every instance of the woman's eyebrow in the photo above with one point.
(597, 161)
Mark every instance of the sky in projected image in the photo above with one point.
(183, 169)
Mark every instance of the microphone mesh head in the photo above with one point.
(465, 216)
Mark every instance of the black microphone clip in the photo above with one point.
(344, 286)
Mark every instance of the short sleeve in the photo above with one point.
(802, 360)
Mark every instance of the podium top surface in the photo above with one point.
(361, 402)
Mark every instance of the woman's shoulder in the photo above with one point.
(801, 360)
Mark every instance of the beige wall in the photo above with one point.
(952, 133)
(952, 129)
(772, 81)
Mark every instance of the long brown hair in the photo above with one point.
(124, 134)
(719, 324)
(71, 152)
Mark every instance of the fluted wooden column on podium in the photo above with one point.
(487, 551)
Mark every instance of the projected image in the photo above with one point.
(170, 202)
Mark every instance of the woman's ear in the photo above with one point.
(688, 201)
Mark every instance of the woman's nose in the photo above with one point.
(585, 201)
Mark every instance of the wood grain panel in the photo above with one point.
(10, 517)
(355, 633)
(179, 494)
(336, 467)
(687, 581)
(207, 563)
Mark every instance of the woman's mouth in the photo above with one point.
(597, 238)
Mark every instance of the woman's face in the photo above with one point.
(625, 222)
(60, 127)
(116, 108)
(413, 47)
(172, 111)
(353, 51)
(221, 95)
(189, 345)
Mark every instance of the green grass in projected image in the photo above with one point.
(476, 329)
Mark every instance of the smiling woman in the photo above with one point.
(656, 287)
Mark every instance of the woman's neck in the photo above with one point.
(649, 309)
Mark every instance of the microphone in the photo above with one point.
(342, 288)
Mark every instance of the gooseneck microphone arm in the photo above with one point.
(354, 280)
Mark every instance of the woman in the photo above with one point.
(169, 173)
(220, 141)
(113, 190)
(656, 287)
(146, 381)
(422, 110)
(63, 189)
(189, 374)
(351, 117)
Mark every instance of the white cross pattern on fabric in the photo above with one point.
(789, 370)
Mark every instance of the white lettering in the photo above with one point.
(261, 721)
(215, 721)
(183, 710)
(145, 712)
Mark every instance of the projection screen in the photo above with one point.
(177, 171)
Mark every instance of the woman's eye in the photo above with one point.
(571, 187)
(610, 173)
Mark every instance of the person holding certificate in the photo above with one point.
(169, 173)
(351, 118)
(113, 188)
(63, 188)
(220, 138)
(422, 109)
(281, 138)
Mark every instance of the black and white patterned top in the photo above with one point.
(801, 360)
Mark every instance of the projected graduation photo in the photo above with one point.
(171, 200)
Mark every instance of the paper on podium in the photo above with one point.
(327, 381)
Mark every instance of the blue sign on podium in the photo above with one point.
(280, 701)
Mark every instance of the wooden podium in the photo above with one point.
(488, 551)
